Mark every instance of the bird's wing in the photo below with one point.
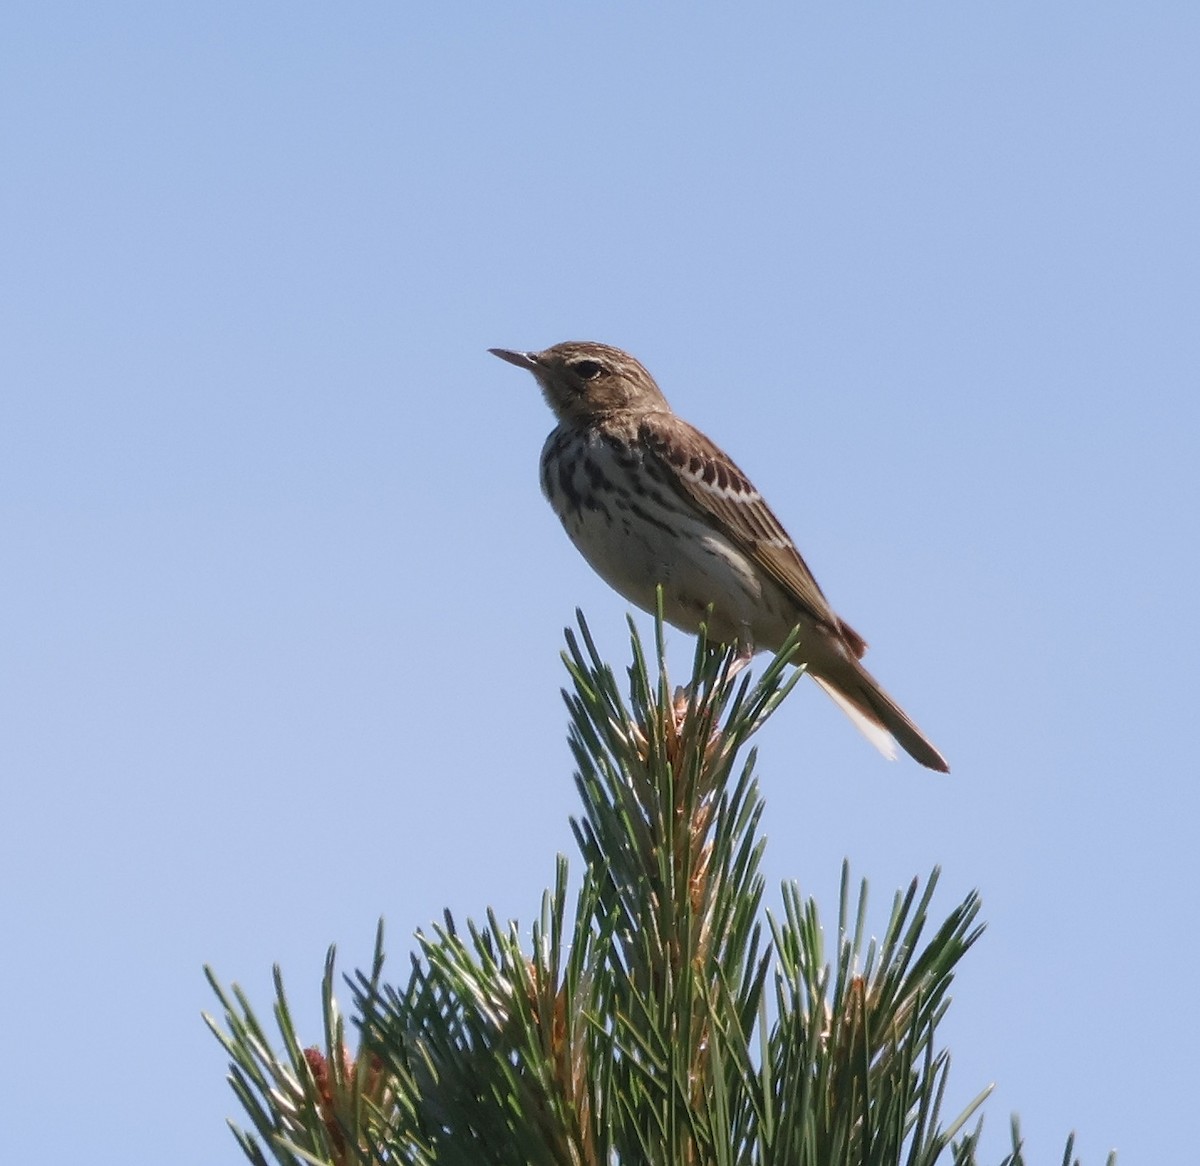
(705, 475)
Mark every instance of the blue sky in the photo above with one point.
(282, 604)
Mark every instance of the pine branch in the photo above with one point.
(658, 1016)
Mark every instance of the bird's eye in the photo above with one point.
(587, 370)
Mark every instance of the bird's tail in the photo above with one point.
(879, 718)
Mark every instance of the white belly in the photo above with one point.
(626, 520)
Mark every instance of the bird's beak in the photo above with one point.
(520, 359)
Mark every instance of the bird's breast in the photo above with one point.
(637, 531)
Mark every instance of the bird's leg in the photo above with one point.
(744, 655)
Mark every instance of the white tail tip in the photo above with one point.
(872, 730)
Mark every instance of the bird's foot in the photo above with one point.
(740, 661)
(679, 708)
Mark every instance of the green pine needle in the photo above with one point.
(656, 1014)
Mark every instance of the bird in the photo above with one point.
(650, 501)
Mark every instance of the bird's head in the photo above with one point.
(582, 380)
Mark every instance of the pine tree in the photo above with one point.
(658, 1016)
